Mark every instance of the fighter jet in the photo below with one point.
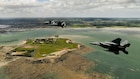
(56, 23)
(114, 46)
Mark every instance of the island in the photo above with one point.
(43, 47)
(48, 58)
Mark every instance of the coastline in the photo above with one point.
(111, 28)
(122, 29)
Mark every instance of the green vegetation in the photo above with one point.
(27, 51)
(104, 22)
(44, 48)
(71, 22)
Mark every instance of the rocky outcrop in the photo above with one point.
(69, 66)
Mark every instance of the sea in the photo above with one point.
(120, 66)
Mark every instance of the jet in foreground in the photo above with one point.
(56, 23)
(114, 46)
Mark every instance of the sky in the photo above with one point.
(70, 8)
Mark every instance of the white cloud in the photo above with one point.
(63, 7)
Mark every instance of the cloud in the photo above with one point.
(18, 6)
(77, 5)
(13, 4)
(66, 4)
(63, 7)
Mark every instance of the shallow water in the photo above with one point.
(120, 66)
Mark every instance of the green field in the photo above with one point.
(44, 48)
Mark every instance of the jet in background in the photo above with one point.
(56, 23)
(114, 46)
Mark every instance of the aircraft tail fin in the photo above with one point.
(63, 24)
(125, 44)
(117, 40)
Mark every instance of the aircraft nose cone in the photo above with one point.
(94, 43)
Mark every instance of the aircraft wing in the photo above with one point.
(114, 51)
(117, 41)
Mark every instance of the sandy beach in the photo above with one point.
(122, 29)
(111, 28)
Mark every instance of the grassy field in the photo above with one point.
(45, 48)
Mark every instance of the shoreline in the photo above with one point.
(122, 29)
(110, 28)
